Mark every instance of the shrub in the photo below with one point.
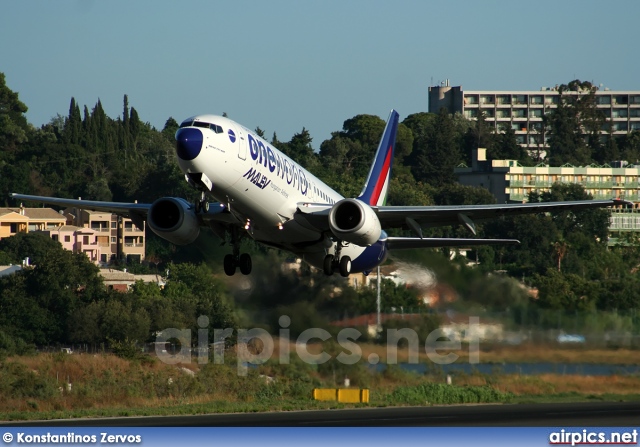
(438, 393)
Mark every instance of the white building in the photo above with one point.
(510, 182)
(522, 111)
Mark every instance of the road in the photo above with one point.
(529, 415)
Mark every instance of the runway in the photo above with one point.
(603, 414)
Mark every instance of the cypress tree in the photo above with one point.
(135, 125)
(86, 128)
(73, 124)
(126, 124)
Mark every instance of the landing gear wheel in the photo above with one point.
(201, 204)
(201, 207)
(229, 265)
(244, 262)
(345, 266)
(328, 265)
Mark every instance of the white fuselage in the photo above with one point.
(262, 187)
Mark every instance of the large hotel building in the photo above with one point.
(523, 110)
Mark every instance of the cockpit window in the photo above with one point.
(214, 127)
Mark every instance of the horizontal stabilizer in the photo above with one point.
(401, 243)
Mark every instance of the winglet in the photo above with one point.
(375, 189)
(623, 202)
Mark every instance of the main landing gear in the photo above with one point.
(237, 260)
(337, 263)
(231, 262)
(201, 205)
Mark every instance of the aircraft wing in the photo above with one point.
(94, 205)
(438, 216)
(401, 243)
(136, 211)
(417, 217)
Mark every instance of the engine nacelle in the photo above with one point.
(174, 219)
(354, 221)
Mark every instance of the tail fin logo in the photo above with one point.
(376, 187)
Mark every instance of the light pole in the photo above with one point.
(378, 322)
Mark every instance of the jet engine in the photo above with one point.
(354, 221)
(174, 219)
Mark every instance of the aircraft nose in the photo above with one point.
(188, 143)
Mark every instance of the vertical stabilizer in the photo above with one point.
(375, 189)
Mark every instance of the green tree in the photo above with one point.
(479, 135)
(300, 150)
(259, 132)
(170, 128)
(505, 147)
(121, 321)
(58, 283)
(73, 124)
(85, 323)
(366, 129)
(126, 140)
(574, 126)
(420, 124)
(458, 194)
(629, 146)
(196, 290)
(436, 155)
(351, 151)
(594, 222)
(13, 123)
(564, 292)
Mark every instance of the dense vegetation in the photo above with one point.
(88, 154)
(37, 388)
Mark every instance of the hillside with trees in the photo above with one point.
(87, 154)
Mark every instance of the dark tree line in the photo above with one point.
(62, 299)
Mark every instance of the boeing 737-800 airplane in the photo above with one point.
(263, 194)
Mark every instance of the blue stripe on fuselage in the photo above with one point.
(371, 257)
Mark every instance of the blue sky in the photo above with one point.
(284, 64)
